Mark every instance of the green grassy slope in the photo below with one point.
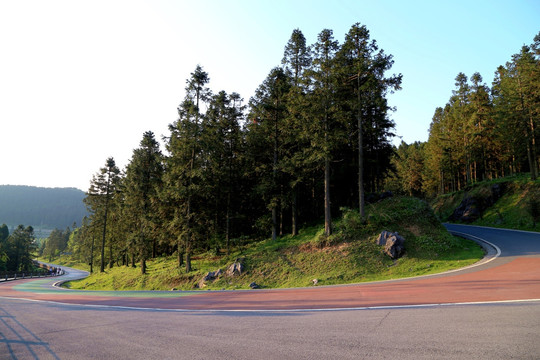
(511, 210)
(348, 256)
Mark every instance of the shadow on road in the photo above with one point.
(18, 342)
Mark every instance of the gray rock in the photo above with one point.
(254, 285)
(210, 276)
(381, 240)
(473, 207)
(469, 210)
(394, 244)
(236, 268)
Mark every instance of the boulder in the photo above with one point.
(394, 244)
(236, 268)
(254, 285)
(383, 236)
(468, 211)
(210, 276)
(472, 207)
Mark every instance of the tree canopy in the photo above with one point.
(483, 132)
(316, 130)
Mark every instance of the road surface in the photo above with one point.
(490, 311)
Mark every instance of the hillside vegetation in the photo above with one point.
(510, 202)
(349, 256)
(41, 207)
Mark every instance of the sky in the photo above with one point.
(81, 81)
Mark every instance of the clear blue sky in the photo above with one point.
(83, 80)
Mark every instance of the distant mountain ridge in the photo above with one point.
(41, 207)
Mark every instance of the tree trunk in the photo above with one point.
(227, 223)
(92, 256)
(180, 254)
(281, 208)
(361, 201)
(327, 213)
(102, 265)
(530, 157)
(534, 169)
(143, 251)
(274, 178)
(188, 261)
(111, 261)
(294, 220)
(274, 223)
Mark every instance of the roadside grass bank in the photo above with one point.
(518, 207)
(350, 255)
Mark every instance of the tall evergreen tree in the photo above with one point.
(267, 115)
(363, 67)
(323, 114)
(4, 234)
(99, 199)
(525, 68)
(184, 164)
(222, 140)
(20, 248)
(142, 184)
(296, 59)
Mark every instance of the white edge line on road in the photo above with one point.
(383, 307)
(457, 233)
(472, 237)
(58, 284)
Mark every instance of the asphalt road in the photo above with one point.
(35, 329)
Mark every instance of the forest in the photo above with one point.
(482, 133)
(17, 249)
(46, 208)
(313, 140)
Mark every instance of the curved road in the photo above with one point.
(488, 311)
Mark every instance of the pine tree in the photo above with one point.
(99, 199)
(222, 143)
(142, 184)
(321, 125)
(20, 246)
(363, 66)
(184, 164)
(296, 59)
(268, 111)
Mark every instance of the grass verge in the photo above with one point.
(350, 255)
(511, 211)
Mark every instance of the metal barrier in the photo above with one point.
(13, 275)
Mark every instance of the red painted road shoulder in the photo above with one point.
(518, 279)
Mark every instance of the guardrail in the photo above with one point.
(44, 271)
(23, 275)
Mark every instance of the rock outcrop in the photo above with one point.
(472, 207)
(210, 276)
(236, 268)
(394, 244)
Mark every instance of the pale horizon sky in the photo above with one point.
(81, 81)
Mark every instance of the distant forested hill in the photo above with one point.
(41, 207)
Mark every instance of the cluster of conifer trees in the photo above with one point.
(481, 133)
(314, 135)
(17, 249)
